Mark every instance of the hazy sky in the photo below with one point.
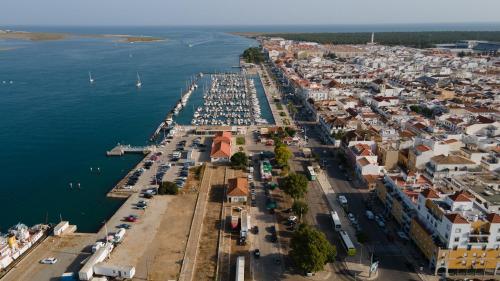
(239, 12)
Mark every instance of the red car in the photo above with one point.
(131, 219)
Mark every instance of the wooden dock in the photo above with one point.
(121, 149)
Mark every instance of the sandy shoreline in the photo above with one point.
(46, 36)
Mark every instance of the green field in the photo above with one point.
(422, 39)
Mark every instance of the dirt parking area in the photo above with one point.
(163, 258)
(206, 260)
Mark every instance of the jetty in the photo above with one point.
(121, 149)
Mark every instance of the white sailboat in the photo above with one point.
(91, 80)
(138, 83)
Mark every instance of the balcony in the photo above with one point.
(480, 233)
(478, 240)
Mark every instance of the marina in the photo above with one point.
(168, 124)
(231, 99)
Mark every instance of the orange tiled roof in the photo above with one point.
(237, 187)
(493, 218)
(459, 197)
(456, 218)
(429, 193)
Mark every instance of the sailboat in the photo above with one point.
(91, 80)
(138, 83)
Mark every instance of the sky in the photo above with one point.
(239, 12)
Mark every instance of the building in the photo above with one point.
(448, 166)
(456, 234)
(237, 190)
(221, 147)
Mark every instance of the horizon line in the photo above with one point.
(255, 25)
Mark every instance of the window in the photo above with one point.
(455, 247)
(498, 238)
(483, 247)
(468, 248)
(458, 230)
(457, 239)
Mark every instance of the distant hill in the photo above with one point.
(421, 39)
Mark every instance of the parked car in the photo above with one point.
(256, 253)
(351, 217)
(370, 215)
(131, 219)
(50, 260)
(256, 229)
(124, 225)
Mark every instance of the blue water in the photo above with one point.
(54, 126)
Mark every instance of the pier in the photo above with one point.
(121, 149)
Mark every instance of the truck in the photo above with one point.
(266, 170)
(234, 220)
(245, 224)
(240, 268)
(106, 269)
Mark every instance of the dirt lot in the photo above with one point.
(165, 254)
(206, 260)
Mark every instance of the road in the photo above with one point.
(264, 268)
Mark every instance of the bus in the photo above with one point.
(347, 243)
(311, 173)
(336, 221)
(240, 268)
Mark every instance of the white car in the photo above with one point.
(292, 218)
(50, 260)
(250, 177)
(352, 218)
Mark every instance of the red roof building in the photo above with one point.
(221, 147)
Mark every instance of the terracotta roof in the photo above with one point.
(456, 218)
(422, 148)
(429, 193)
(221, 149)
(493, 218)
(221, 145)
(451, 160)
(237, 187)
(449, 141)
(363, 161)
(459, 197)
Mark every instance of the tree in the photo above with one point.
(294, 185)
(282, 154)
(239, 160)
(253, 55)
(300, 208)
(310, 250)
(168, 187)
(290, 131)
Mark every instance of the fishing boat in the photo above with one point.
(91, 80)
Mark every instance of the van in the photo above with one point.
(370, 215)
